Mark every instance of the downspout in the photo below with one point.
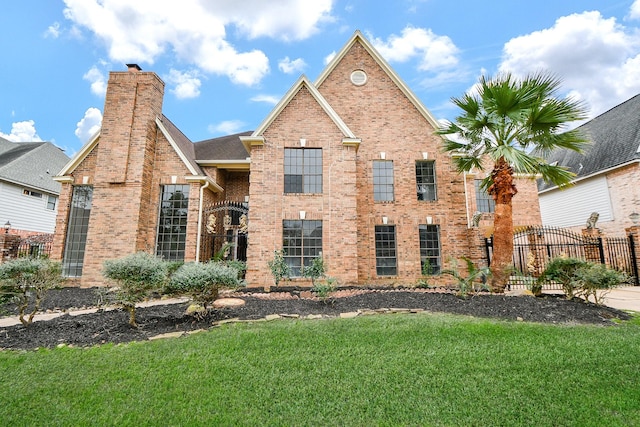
(466, 198)
(200, 209)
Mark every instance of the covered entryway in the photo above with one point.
(224, 231)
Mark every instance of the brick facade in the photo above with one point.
(353, 125)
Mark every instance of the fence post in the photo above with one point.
(593, 252)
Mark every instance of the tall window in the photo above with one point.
(78, 224)
(426, 180)
(172, 222)
(484, 202)
(430, 260)
(303, 170)
(382, 181)
(301, 242)
(386, 257)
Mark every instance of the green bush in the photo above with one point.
(136, 275)
(314, 271)
(202, 281)
(23, 278)
(563, 270)
(474, 281)
(280, 270)
(593, 277)
(324, 288)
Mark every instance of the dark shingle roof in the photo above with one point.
(615, 140)
(32, 164)
(223, 148)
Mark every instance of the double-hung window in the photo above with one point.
(383, 181)
(426, 180)
(484, 201)
(301, 243)
(386, 253)
(303, 170)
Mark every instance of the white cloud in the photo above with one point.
(288, 66)
(596, 58)
(196, 31)
(187, 84)
(329, 57)
(434, 52)
(22, 132)
(53, 30)
(227, 127)
(89, 124)
(267, 99)
(634, 11)
(97, 79)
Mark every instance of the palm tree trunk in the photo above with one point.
(502, 191)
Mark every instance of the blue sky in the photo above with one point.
(227, 62)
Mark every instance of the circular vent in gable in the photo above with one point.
(358, 77)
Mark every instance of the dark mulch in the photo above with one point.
(112, 327)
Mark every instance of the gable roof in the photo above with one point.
(32, 164)
(358, 37)
(304, 82)
(615, 141)
(180, 143)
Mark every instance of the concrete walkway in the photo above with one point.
(624, 298)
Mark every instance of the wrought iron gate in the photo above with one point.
(224, 231)
(535, 246)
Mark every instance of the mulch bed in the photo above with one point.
(110, 326)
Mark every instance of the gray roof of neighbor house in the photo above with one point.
(223, 148)
(32, 164)
(615, 141)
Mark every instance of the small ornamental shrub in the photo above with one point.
(202, 281)
(563, 270)
(314, 271)
(280, 270)
(324, 288)
(136, 275)
(597, 277)
(24, 278)
(475, 280)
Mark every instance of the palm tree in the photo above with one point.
(511, 125)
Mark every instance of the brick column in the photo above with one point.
(8, 246)
(633, 232)
(592, 251)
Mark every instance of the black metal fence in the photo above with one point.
(35, 246)
(535, 246)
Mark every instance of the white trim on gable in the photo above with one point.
(175, 147)
(302, 81)
(78, 158)
(357, 36)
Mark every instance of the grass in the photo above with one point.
(375, 370)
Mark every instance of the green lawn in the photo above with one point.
(377, 370)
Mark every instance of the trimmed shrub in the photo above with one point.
(202, 281)
(314, 271)
(563, 270)
(597, 277)
(136, 275)
(23, 278)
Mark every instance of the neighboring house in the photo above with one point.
(608, 174)
(28, 193)
(347, 167)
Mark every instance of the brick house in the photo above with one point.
(347, 167)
